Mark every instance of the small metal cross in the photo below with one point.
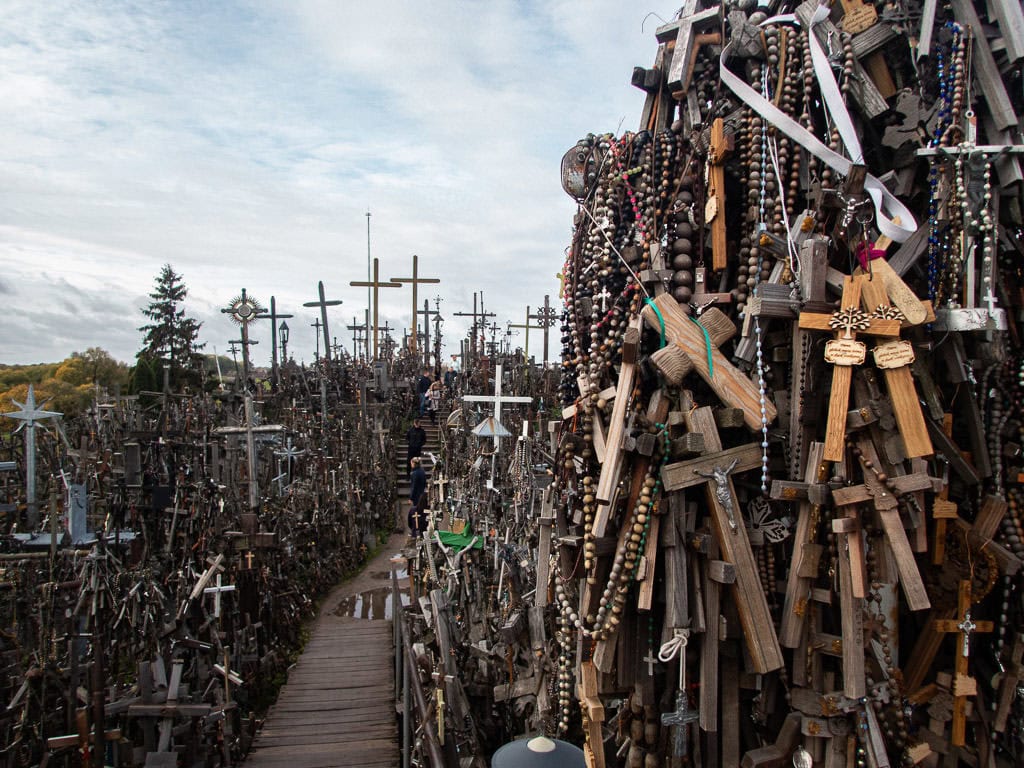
(967, 626)
(651, 660)
(682, 717)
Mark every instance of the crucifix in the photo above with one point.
(30, 415)
(376, 285)
(545, 317)
(358, 337)
(844, 352)
(715, 470)
(273, 316)
(243, 310)
(496, 400)
(323, 303)
(680, 719)
(526, 326)
(415, 280)
(963, 684)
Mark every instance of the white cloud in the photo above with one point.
(244, 146)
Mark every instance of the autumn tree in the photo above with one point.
(170, 337)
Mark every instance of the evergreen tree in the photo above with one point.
(171, 336)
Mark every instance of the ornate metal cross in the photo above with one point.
(29, 415)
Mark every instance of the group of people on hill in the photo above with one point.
(430, 389)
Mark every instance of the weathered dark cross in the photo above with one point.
(250, 430)
(30, 415)
(323, 303)
(415, 280)
(479, 321)
(684, 31)
(376, 285)
(273, 316)
(545, 317)
(526, 327)
(318, 325)
(680, 719)
(427, 313)
(358, 336)
(243, 310)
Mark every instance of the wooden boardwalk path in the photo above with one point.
(338, 706)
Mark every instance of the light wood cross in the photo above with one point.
(714, 208)
(844, 352)
(376, 285)
(497, 400)
(963, 684)
(415, 280)
(593, 714)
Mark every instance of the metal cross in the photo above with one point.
(29, 415)
(497, 400)
(966, 627)
(650, 660)
(681, 718)
(721, 478)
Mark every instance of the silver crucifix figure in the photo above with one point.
(722, 493)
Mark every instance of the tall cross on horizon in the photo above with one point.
(273, 317)
(376, 285)
(29, 414)
(323, 303)
(415, 280)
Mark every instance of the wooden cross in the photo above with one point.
(415, 281)
(733, 388)
(689, 23)
(376, 285)
(216, 592)
(526, 327)
(250, 430)
(479, 321)
(497, 400)
(428, 313)
(963, 684)
(894, 358)
(593, 714)
(844, 352)
(755, 617)
(701, 299)
(714, 208)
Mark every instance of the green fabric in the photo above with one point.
(460, 540)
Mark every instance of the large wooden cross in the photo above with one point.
(376, 285)
(323, 303)
(686, 27)
(415, 281)
(479, 322)
(844, 352)
(733, 388)
(963, 684)
(715, 471)
(250, 430)
(496, 400)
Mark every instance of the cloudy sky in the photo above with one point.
(243, 143)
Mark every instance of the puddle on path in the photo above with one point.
(372, 604)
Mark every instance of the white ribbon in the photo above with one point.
(671, 648)
(887, 207)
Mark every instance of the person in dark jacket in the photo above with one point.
(417, 499)
(422, 385)
(415, 438)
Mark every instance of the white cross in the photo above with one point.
(215, 591)
(649, 658)
(497, 399)
(604, 295)
(990, 299)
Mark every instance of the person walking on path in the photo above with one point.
(422, 385)
(434, 400)
(415, 438)
(417, 499)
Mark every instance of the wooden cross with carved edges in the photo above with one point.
(714, 208)
(963, 684)
(844, 352)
